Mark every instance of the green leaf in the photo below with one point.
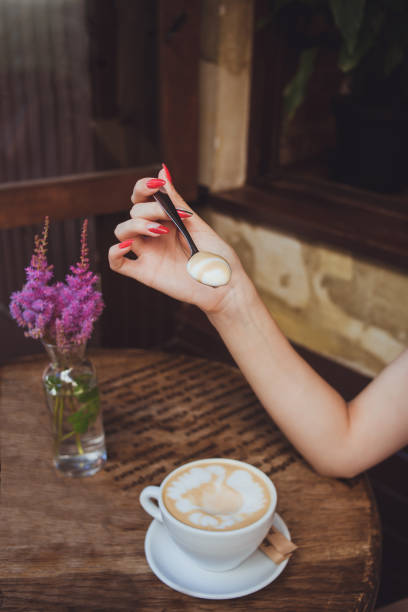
(371, 27)
(347, 61)
(89, 408)
(84, 417)
(52, 384)
(84, 395)
(295, 91)
(348, 16)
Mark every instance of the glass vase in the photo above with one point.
(72, 395)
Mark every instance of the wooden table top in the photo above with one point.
(76, 545)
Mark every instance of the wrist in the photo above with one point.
(237, 304)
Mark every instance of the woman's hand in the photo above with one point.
(162, 252)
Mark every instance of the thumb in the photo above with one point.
(169, 188)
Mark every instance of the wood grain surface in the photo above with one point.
(76, 545)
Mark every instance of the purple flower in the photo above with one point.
(62, 313)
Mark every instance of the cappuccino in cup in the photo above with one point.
(217, 496)
(217, 511)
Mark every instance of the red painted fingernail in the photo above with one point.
(124, 245)
(155, 183)
(160, 229)
(183, 213)
(167, 173)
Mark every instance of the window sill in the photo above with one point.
(364, 223)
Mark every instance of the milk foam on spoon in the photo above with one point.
(209, 269)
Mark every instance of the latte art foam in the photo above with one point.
(209, 269)
(216, 496)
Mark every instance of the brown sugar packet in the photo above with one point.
(277, 546)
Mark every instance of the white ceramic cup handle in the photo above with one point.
(146, 497)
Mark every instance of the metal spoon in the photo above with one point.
(205, 267)
(169, 208)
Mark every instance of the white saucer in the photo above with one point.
(172, 566)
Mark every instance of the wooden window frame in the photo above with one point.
(299, 201)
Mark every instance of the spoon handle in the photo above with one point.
(169, 208)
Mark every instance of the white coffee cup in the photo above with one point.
(214, 550)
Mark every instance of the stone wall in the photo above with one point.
(343, 307)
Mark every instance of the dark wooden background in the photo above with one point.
(94, 96)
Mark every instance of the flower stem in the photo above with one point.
(56, 414)
(61, 416)
(64, 408)
(79, 445)
(68, 435)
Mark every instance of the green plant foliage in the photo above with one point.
(348, 16)
(53, 384)
(78, 394)
(295, 90)
(370, 28)
(88, 400)
(88, 411)
(372, 46)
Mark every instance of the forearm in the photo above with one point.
(312, 414)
